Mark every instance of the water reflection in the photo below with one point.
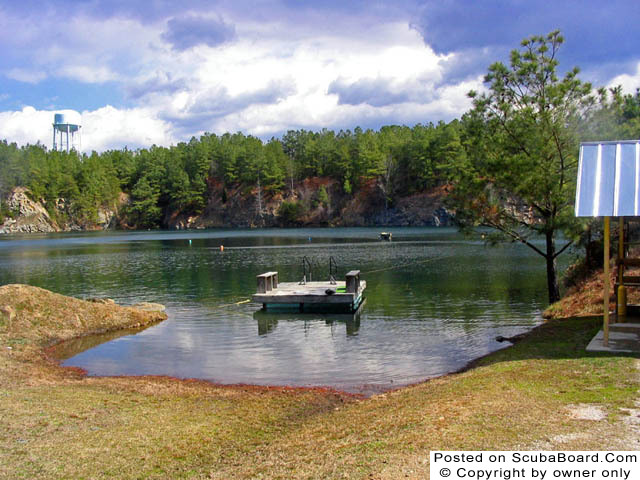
(71, 348)
(268, 321)
(436, 300)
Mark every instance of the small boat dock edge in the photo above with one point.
(320, 297)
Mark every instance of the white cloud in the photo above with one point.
(102, 129)
(80, 48)
(27, 126)
(310, 65)
(27, 76)
(87, 74)
(109, 127)
(259, 67)
(628, 82)
(269, 79)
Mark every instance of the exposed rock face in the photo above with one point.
(317, 201)
(31, 216)
(238, 207)
(107, 219)
(112, 218)
(422, 209)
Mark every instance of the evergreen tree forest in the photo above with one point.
(177, 178)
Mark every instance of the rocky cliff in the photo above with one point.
(30, 216)
(316, 201)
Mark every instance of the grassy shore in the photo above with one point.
(59, 423)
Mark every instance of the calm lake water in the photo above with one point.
(435, 301)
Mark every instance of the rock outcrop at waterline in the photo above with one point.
(314, 201)
(29, 216)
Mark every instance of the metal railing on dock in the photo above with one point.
(333, 270)
(306, 269)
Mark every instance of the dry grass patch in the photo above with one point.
(58, 423)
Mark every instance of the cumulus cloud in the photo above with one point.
(320, 109)
(192, 30)
(628, 82)
(449, 26)
(109, 127)
(27, 126)
(376, 92)
(337, 81)
(194, 114)
(218, 102)
(102, 129)
(266, 67)
(141, 10)
(158, 82)
(83, 49)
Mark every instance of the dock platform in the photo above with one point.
(320, 297)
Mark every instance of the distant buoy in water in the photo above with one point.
(222, 248)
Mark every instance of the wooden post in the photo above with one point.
(267, 282)
(262, 284)
(607, 234)
(621, 293)
(352, 281)
(620, 248)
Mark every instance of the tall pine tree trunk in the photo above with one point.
(552, 277)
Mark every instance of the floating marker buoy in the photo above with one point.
(222, 248)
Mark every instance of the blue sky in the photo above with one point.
(144, 72)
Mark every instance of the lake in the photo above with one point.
(435, 300)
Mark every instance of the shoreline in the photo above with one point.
(527, 396)
(249, 228)
(362, 393)
(49, 352)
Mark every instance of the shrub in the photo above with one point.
(322, 196)
(291, 212)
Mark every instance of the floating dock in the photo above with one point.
(320, 297)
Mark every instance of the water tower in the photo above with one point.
(66, 131)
